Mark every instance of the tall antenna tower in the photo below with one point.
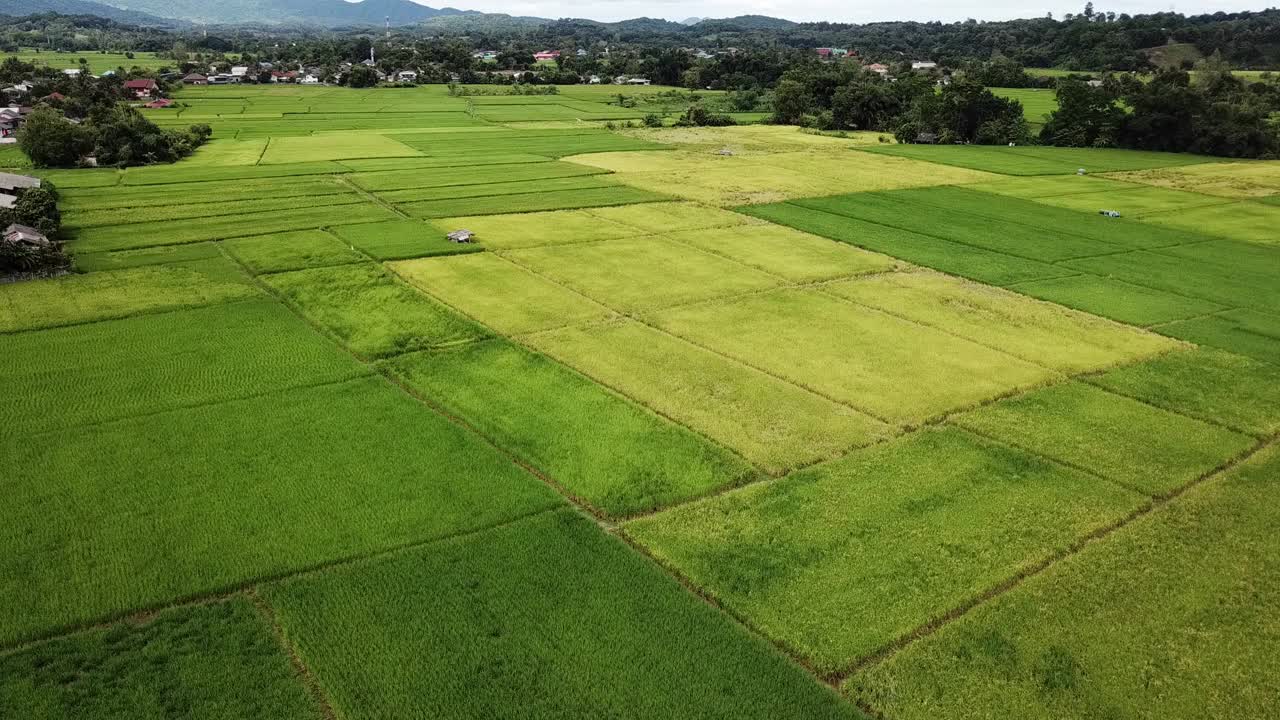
(388, 26)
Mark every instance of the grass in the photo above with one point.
(1244, 220)
(146, 234)
(772, 423)
(310, 149)
(211, 193)
(529, 202)
(98, 61)
(1033, 160)
(1038, 243)
(844, 558)
(291, 251)
(1040, 332)
(1242, 331)
(521, 230)
(1117, 299)
(146, 516)
(161, 255)
(633, 460)
(1228, 284)
(795, 256)
(642, 273)
(546, 618)
(1170, 617)
(399, 239)
(1221, 387)
(500, 294)
(370, 312)
(120, 293)
(1137, 201)
(517, 187)
(432, 177)
(890, 368)
(1124, 440)
(1054, 225)
(171, 214)
(119, 368)
(1037, 103)
(203, 662)
(975, 263)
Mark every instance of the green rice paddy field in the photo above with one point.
(820, 429)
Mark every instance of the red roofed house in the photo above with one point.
(878, 68)
(546, 55)
(142, 89)
(161, 103)
(54, 96)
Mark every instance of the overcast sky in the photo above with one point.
(831, 10)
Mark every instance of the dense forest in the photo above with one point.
(1091, 40)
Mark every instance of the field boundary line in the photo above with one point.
(146, 610)
(304, 673)
(369, 196)
(263, 154)
(1076, 547)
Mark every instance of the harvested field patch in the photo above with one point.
(1040, 332)
(119, 368)
(774, 424)
(1243, 331)
(617, 456)
(737, 180)
(522, 230)
(75, 299)
(891, 368)
(642, 273)
(215, 661)
(799, 257)
(1117, 299)
(500, 294)
(1234, 390)
(291, 251)
(146, 516)
(841, 559)
(1130, 442)
(1172, 616)
(370, 312)
(1049, 186)
(400, 239)
(1236, 179)
(958, 259)
(545, 618)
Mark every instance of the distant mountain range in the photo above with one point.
(338, 13)
(323, 13)
(19, 8)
